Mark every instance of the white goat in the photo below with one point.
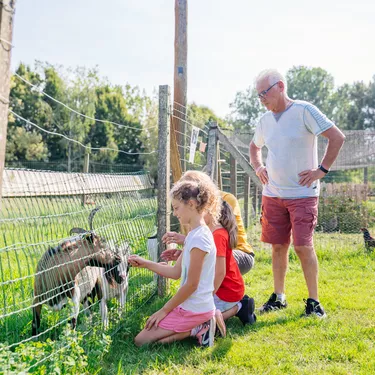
(94, 282)
(111, 290)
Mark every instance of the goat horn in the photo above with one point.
(77, 231)
(91, 216)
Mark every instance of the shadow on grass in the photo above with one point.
(125, 358)
(221, 348)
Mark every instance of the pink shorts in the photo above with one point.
(180, 320)
(281, 217)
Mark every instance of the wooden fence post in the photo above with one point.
(233, 176)
(241, 160)
(86, 166)
(6, 33)
(86, 162)
(164, 203)
(212, 150)
(180, 77)
(258, 200)
(246, 200)
(218, 177)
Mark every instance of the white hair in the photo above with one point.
(273, 76)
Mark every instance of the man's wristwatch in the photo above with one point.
(323, 169)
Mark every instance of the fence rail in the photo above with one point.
(27, 183)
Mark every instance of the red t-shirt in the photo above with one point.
(232, 288)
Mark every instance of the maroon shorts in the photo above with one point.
(281, 217)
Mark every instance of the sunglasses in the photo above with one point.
(263, 94)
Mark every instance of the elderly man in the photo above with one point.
(290, 181)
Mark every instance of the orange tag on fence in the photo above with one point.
(202, 147)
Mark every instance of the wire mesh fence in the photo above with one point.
(45, 262)
(347, 197)
(192, 143)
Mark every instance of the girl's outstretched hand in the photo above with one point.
(170, 254)
(137, 261)
(155, 319)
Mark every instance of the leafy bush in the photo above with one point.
(63, 356)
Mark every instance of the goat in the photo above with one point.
(55, 279)
(97, 283)
(110, 290)
(94, 282)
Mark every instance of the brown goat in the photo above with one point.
(55, 279)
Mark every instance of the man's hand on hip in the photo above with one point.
(261, 172)
(309, 176)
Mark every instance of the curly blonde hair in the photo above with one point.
(203, 190)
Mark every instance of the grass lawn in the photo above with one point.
(280, 342)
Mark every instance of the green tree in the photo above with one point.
(111, 106)
(201, 115)
(24, 141)
(370, 105)
(247, 109)
(25, 145)
(79, 94)
(354, 106)
(149, 135)
(314, 85)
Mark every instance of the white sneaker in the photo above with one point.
(206, 335)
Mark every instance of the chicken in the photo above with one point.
(369, 241)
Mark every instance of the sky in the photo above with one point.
(229, 41)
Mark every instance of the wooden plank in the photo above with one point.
(232, 149)
(26, 183)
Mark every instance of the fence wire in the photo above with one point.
(189, 120)
(39, 257)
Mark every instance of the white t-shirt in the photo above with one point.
(292, 148)
(202, 299)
